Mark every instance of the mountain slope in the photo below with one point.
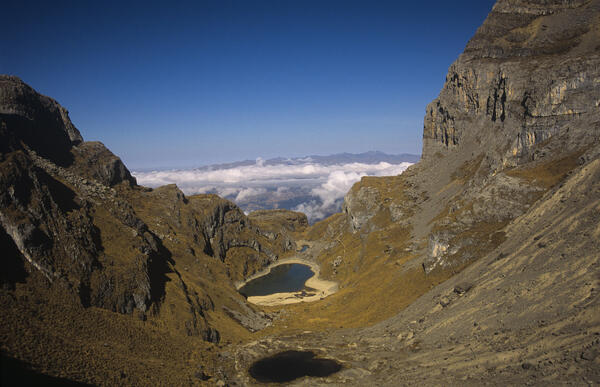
(525, 313)
(479, 264)
(480, 170)
(85, 245)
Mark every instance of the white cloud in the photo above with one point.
(326, 183)
(313, 210)
(226, 191)
(249, 192)
(204, 189)
(261, 173)
(336, 186)
(339, 182)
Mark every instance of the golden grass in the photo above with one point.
(45, 326)
(116, 238)
(375, 280)
(547, 174)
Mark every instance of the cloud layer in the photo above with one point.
(313, 188)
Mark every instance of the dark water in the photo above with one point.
(282, 278)
(289, 365)
(304, 248)
(17, 373)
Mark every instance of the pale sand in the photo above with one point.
(322, 288)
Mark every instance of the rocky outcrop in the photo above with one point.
(53, 229)
(72, 217)
(64, 225)
(18, 99)
(38, 123)
(35, 120)
(53, 225)
(96, 161)
(518, 111)
(279, 225)
(360, 205)
(530, 73)
(209, 225)
(523, 96)
(224, 227)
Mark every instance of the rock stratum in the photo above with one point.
(478, 265)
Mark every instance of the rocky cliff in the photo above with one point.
(529, 74)
(518, 111)
(48, 205)
(78, 232)
(478, 244)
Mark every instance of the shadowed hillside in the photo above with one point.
(87, 251)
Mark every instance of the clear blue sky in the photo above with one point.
(167, 84)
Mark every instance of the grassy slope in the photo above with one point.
(376, 277)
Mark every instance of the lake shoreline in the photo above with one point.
(317, 288)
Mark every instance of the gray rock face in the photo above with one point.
(44, 127)
(531, 72)
(52, 228)
(213, 227)
(227, 227)
(277, 225)
(67, 219)
(525, 93)
(249, 319)
(360, 206)
(17, 98)
(517, 108)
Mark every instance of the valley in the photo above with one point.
(476, 265)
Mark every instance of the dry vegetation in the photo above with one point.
(548, 173)
(375, 282)
(93, 344)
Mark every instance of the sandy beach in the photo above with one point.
(317, 288)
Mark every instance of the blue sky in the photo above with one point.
(179, 84)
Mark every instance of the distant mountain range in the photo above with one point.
(370, 157)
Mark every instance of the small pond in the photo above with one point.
(289, 365)
(281, 279)
(304, 248)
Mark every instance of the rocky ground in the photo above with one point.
(526, 313)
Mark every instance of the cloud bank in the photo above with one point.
(306, 186)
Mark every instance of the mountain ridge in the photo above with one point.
(86, 242)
